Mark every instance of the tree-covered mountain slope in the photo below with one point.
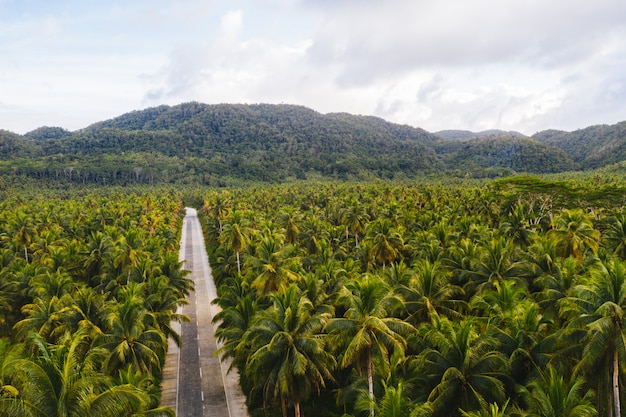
(506, 154)
(592, 147)
(453, 134)
(201, 143)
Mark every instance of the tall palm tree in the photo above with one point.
(616, 235)
(430, 292)
(235, 236)
(599, 305)
(368, 327)
(272, 268)
(23, 230)
(497, 261)
(575, 233)
(289, 360)
(96, 256)
(355, 219)
(553, 396)
(386, 241)
(131, 340)
(465, 366)
(233, 320)
(63, 381)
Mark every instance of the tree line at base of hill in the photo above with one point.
(214, 144)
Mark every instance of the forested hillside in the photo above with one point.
(222, 144)
(454, 134)
(592, 147)
(504, 154)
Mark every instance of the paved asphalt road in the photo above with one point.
(195, 382)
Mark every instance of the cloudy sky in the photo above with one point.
(523, 65)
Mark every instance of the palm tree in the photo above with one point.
(465, 366)
(128, 251)
(430, 292)
(355, 218)
(130, 340)
(238, 308)
(272, 267)
(94, 262)
(394, 402)
(553, 396)
(517, 227)
(63, 381)
(368, 327)
(493, 411)
(386, 241)
(616, 235)
(600, 305)
(235, 236)
(23, 231)
(575, 233)
(497, 261)
(289, 359)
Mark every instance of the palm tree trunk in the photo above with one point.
(26, 253)
(283, 406)
(238, 264)
(616, 401)
(297, 407)
(370, 379)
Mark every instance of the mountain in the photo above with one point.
(202, 142)
(219, 144)
(506, 154)
(592, 147)
(466, 134)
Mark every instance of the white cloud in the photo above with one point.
(521, 64)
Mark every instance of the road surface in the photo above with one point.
(195, 382)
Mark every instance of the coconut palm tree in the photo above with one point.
(575, 234)
(368, 327)
(554, 396)
(130, 339)
(386, 242)
(235, 236)
(467, 370)
(272, 268)
(430, 292)
(289, 360)
(599, 305)
(63, 381)
(355, 218)
(616, 235)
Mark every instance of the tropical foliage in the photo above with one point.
(503, 299)
(89, 285)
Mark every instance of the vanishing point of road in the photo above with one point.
(195, 382)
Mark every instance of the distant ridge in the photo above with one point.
(466, 134)
(225, 143)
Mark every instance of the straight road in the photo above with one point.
(195, 382)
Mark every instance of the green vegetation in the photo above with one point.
(89, 285)
(502, 299)
(227, 144)
(397, 295)
(592, 147)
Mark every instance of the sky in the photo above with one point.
(523, 65)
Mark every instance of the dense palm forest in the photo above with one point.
(386, 275)
(454, 298)
(90, 283)
(505, 299)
